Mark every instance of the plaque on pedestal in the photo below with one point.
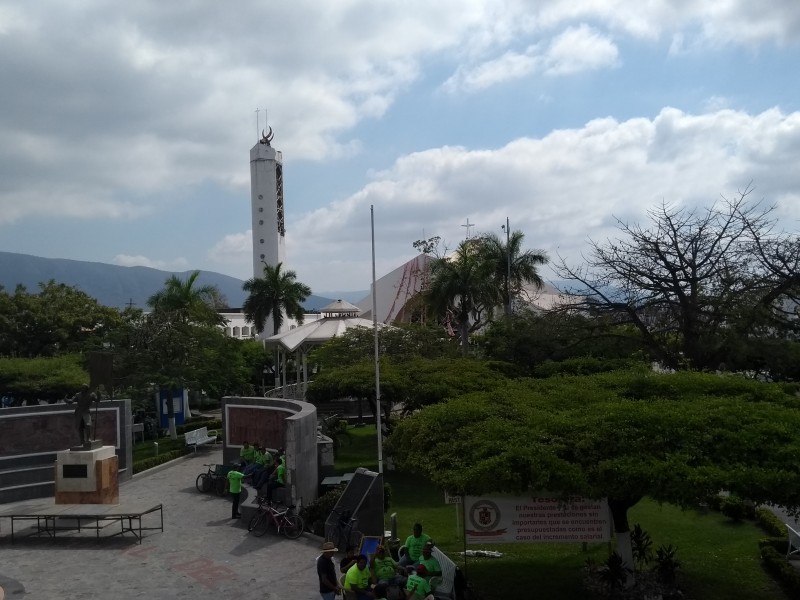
(87, 476)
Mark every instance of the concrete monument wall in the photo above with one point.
(32, 436)
(276, 423)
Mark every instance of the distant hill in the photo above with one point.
(113, 285)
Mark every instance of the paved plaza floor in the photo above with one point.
(201, 553)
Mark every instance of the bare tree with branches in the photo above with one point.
(696, 284)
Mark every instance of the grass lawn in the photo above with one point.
(146, 449)
(719, 558)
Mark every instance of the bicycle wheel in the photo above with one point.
(293, 526)
(203, 483)
(258, 524)
(219, 485)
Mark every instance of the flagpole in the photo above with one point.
(375, 327)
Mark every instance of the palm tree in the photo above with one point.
(187, 303)
(460, 289)
(275, 294)
(508, 256)
(178, 308)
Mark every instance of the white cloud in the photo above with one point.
(572, 51)
(175, 264)
(580, 49)
(133, 97)
(111, 110)
(560, 190)
(234, 252)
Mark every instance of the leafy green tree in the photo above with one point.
(508, 256)
(461, 291)
(398, 343)
(58, 319)
(274, 295)
(169, 338)
(529, 338)
(42, 378)
(409, 384)
(357, 380)
(677, 438)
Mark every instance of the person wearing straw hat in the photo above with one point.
(329, 588)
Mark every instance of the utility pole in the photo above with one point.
(507, 228)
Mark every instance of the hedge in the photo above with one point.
(787, 575)
(210, 423)
(767, 520)
(154, 461)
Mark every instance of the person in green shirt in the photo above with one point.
(246, 454)
(357, 579)
(414, 544)
(431, 564)
(417, 587)
(235, 488)
(385, 568)
(262, 476)
(258, 462)
(276, 480)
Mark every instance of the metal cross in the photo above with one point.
(468, 225)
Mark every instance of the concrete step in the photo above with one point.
(16, 462)
(28, 491)
(16, 476)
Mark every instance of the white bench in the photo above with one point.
(201, 436)
(444, 585)
(794, 543)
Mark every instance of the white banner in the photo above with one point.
(543, 518)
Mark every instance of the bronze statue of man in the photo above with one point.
(83, 413)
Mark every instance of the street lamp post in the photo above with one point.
(507, 228)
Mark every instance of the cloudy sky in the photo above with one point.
(125, 128)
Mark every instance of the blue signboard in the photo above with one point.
(179, 401)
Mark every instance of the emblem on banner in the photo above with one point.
(484, 515)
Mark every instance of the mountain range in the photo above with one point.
(117, 286)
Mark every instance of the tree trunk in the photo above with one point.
(463, 329)
(173, 434)
(619, 512)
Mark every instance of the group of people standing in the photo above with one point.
(369, 578)
(259, 466)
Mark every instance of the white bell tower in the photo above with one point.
(266, 201)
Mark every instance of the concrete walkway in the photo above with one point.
(201, 554)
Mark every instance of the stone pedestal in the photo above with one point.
(87, 476)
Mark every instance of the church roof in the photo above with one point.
(340, 308)
(316, 333)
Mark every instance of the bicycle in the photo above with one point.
(343, 532)
(215, 478)
(285, 521)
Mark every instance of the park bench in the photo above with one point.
(198, 437)
(444, 585)
(794, 543)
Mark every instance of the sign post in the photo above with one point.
(457, 502)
